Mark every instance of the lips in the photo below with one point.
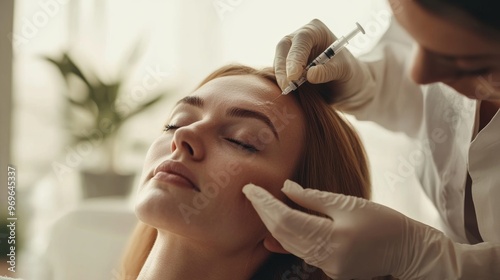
(175, 171)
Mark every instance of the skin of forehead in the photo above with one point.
(235, 86)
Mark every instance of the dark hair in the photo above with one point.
(480, 15)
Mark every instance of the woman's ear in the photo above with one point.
(271, 244)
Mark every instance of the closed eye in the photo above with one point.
(247, 147)
(169, 127)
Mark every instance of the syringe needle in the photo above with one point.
(277, 97)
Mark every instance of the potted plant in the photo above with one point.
(94, 105)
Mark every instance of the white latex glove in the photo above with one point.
(345, 75)
(364, 239)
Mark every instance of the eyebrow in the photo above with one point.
(191, 100)
(245, 113)
(233, 112)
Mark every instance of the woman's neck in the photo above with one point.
(487, 112)
(174, 257)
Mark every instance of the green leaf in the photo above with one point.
(73, 68)
(66, 67)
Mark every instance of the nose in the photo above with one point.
(187, 142)
(429, 67)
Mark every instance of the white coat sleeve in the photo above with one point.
(390, 98)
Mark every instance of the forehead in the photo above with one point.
(440, 35)
(249, 88)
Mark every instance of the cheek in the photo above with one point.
(245, 220)
(161, 144)
(238, 224)
(268, 174)
(230, 197)
(158, 150)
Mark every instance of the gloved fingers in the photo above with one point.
(314, 35)
(296, 61)
(313, 242)
(280, 56)
(297, 232)
(324, 202)
(335, 69)
(271, 210)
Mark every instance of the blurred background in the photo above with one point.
(68, 144)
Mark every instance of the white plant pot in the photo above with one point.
(106, 184)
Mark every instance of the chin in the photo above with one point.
(156, 209)
(470, 96)
(171, 212)
(145, 208)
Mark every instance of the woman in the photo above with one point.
(231, 131)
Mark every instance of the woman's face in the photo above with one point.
(467, 61)
(226, 134)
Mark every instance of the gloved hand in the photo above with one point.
(363, 239)
(345, 74)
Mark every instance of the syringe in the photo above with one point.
(325, 56)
